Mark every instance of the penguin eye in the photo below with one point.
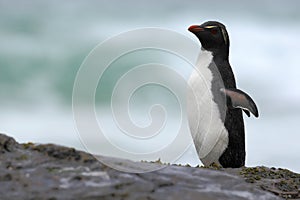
(214, 31)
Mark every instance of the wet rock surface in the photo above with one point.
(30, 171)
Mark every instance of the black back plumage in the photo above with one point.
(234, 155)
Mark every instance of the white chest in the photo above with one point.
(208, 131)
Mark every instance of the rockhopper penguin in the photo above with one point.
(215, 105)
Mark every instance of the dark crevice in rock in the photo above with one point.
(7, 144)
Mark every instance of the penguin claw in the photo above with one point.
(240, 99)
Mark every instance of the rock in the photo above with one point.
(29, 171)
(7, 144)
(281, 182)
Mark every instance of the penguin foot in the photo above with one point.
(215, 166)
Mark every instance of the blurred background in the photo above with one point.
(43, 43)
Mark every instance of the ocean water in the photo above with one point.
(43, 44)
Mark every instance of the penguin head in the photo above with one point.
(212, 35)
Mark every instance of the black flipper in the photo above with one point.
(240, 99)
(247, 112)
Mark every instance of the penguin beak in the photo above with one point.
(195, 28)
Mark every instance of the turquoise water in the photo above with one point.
(42, 45)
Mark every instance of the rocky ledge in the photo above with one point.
(31, 171)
